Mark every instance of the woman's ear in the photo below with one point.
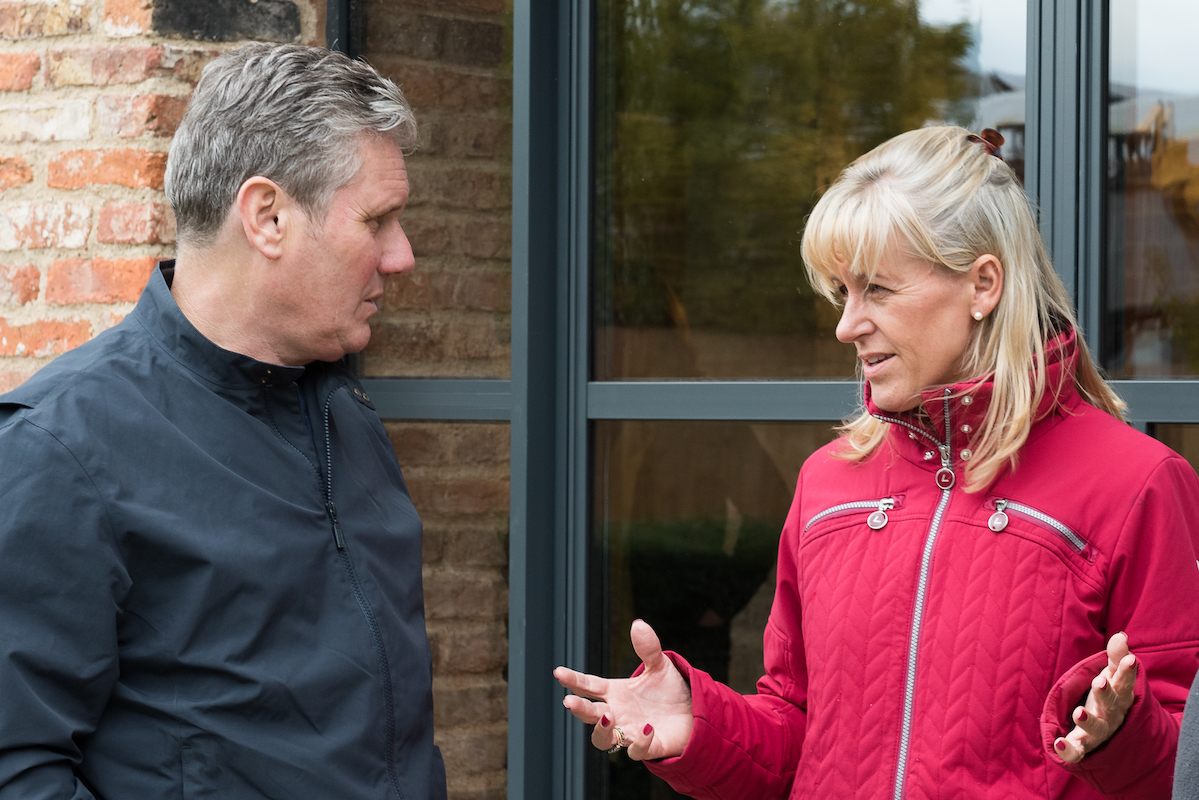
(266, 212)
(986, 281)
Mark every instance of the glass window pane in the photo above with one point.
(1151, 269)
(686, 530)
(451, 317)
(1182, 439)
(717, 126)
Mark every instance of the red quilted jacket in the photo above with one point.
(926, 642)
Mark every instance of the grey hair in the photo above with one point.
(290, 113)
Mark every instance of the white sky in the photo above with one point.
(1156, 44)
(1004, 29)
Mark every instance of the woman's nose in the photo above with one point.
(853, 323)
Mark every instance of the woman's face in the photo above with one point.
(911, 325)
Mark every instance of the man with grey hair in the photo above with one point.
(210, 567)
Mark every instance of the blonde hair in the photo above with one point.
(949, 201)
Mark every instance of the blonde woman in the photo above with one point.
(963, 572)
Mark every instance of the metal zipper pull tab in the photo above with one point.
(945, 477)
(339, 538)
(878, 519)
(998, 520)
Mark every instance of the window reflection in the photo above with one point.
(685, 536)
(1182, 439)
(1151, 270)
(718, 125)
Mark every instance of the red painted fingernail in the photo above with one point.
(647, 730)
(604, 721)
(1082, 715)
(1060, 746)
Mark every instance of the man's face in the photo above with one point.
(332, 281)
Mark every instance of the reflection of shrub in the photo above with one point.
(725, 119)
(687, 587)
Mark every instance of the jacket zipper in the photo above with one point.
(372, 622)
(875, 521)
(945, 480)
(998, 521)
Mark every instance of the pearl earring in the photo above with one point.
(978, 315)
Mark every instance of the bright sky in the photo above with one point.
(1155, 42)
(1004, 29)
(1164, 54)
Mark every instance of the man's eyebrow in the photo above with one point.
(391, 209)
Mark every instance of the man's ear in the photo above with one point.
(986, 280)
(268, 215)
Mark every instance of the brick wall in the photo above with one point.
(452, 59)
(91, 92)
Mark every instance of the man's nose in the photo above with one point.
(397, 255)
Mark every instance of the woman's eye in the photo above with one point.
(874, 288)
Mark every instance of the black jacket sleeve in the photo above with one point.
(61, 583)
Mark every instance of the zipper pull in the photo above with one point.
(998, 520)
(945, 477)
(339, 538)
(878, 519)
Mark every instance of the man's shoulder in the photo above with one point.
(95, 369)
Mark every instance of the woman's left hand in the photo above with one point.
(1097, 719)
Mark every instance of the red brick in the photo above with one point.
(27, 20)
(17, 70)
(489, 239)
(457, 495)
(127, 17)
(475, 189)
(477, 137)
(37, 225)
(487, 6)
(473, 594)
(473, 751)
(467, 647)
(481, 548)
(42, 338)
(126, 117)
(99, 280)
(19, 285)
(429, 87)
(14, 172)
(468, 700)
(485, 291)
(429, 236)
(185, 63)
(136, 223)
(137, 169)
(103, 66)
(12, 378)
(453, 444)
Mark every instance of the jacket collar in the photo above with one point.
(967, 402)
(159, 314)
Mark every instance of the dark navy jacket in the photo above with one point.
(210, 579)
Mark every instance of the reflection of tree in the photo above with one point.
(730, 117)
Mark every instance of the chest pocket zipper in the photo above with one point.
(876, 521)
(998, 521)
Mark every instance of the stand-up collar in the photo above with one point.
(969, 400)
(160, 315)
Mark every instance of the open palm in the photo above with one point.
(652, 710)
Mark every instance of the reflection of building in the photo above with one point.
(1153, 180)
(1001, 106)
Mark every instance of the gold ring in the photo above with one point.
(620, 745)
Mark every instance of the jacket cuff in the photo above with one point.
(1138, 760)
(711, 766)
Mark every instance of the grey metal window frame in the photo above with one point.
(550, 404)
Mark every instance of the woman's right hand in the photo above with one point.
(652, 710)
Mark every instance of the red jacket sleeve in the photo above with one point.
(1154, 592)
(748, 746)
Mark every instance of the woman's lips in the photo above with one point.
(873, 365)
